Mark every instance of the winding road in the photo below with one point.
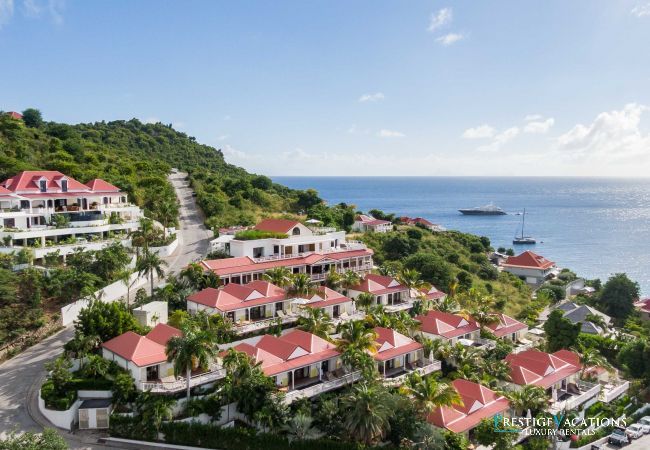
(21, 376)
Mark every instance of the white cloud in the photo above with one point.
(383, 133)
(641, 10)
(376, 97)
(32, 8)
(151, 120)
(612, 136)
(6, 11)
(440, 19)
(223, 137)
(226, 117)
(450, 38)
(354, 129)
(539, 126)
(480, 132)
(232, 153)
(530, 117)
(500, 140)
(178, 125)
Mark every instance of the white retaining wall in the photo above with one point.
(61, 419)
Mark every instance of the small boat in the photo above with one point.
(523, 240)
(487, 210)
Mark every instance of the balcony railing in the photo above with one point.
(587, 392)
(181, 383)
(324, 386)
(248, 326)
(428, 368)
(612, 391)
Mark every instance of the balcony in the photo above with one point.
(611, 391)
(575, 395)
(401, 306)
(321, 387)
(256, 325)
(180, 383)
(425, 369)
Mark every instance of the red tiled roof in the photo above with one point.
(276, 225)
(290, 351)
(433, 293)
(15, 115)
(368, 220)
(378, 284)
(143, 350)
(390, 344)
(244, 264)
(236, 296)
(542, 369)
(99, 185)
(506, 325)
(529, 259)
(326, 297)
(4, 191)
(162, 333)
(445, 324)
(643, 305)
(479, 403)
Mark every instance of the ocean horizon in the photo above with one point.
(595, 226)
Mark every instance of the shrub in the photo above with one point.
(250, 235)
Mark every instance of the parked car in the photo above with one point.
(645, 423)
(618, 437)
(634, 431)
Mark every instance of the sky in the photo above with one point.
(367, 87)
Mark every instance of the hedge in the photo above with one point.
(210, 436)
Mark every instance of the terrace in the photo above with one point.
(574, 395)
(396, 377)
(177, 384)
(320, 387)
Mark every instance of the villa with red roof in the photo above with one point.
(386, 291)
(421, 222)
(295, 360)
(432, 293)
(144, 356)
(478, 403)
(333, 303)
(15, 115)
(317, 265)
(397, 353)
(45, 210)
(643, 306)
(448, 327)
(257, 300)
(530, 267)
(365, 223)
(558, 373)
(507, 328)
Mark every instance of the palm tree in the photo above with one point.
(364, 301)
(315, 321)
(367, 413)
(150, 264)
(378, 317)
(355, 334)
(529, 397)
(333, 280)
(145, 234)
(195, 346)
(209, 280)
(462, 354)
(166, 212)
(125, 277)
(386, 271)
(193, 273)
(300, 428)
(349, 279)
(453, 288)
(448, 305)
(301, 285)
(279, 276)
(591, 357)
(430, 393)
(411, 279)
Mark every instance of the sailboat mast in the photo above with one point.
(523, 222)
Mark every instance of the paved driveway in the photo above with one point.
(21, 376)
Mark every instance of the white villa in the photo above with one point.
(386, 291)
(49, 211)
(334, 304)
(530, 267)
(365, 223)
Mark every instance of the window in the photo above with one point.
(64, 185)
(296, 231)
(42, 185)
(258, 252)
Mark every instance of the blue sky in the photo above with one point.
(351, 88)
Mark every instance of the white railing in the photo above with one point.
(322, 387)
(241, 328)
(181, 383)
(611, 392)
(407, 304)
(587, 392)
(433, 366)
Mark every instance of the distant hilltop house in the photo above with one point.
(365, 223)
(422, 222)
(591, 320)
(15, 115)
(643, 306)
(48, 211)
(530, 267)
